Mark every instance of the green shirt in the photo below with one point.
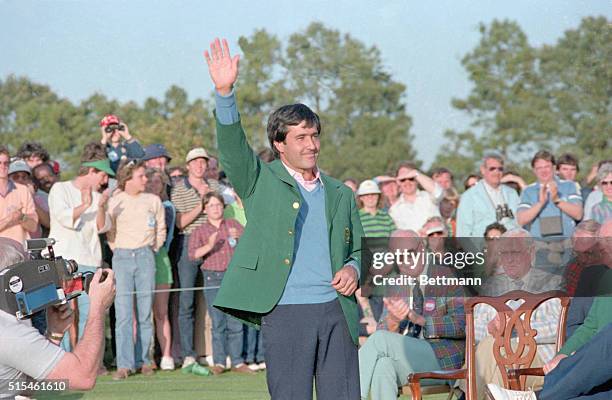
(599, 316)
(378, 225)
(235, 212)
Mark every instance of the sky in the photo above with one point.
(131, 50)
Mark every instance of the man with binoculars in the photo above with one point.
(30, 360)
(113, 131)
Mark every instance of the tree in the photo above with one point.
(525, 98)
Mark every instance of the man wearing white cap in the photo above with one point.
(187, 197)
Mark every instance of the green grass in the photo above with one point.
(175, 385)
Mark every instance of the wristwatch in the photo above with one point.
(55, 336)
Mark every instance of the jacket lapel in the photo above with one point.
(281, 172)
(332, 199)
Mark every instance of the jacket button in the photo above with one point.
(296, 205)
(290, 232)
(286, 261)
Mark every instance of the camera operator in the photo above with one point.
(25, 354)
(113, 131)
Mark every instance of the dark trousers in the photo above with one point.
(306, 342)
(587, 374)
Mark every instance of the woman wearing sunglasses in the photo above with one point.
(602, 211)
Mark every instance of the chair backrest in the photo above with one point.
(517, 329)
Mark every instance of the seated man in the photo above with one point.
(582, 369)
(516, 255)
(419, 329)
(25, 354)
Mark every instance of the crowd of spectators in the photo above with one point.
(163, 227)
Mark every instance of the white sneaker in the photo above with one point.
(253, 367)
(261, 366)
(210, 361)
(188, 361)
(167, 364)
(499, 393)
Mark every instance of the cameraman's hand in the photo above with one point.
(59, 318)
(102, 294)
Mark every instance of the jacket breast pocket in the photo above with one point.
(249, 262)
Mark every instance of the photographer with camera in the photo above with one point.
(113, 131)
(25, 354)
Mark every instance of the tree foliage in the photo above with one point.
(526, 98)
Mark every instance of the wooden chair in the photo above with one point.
(513, 359)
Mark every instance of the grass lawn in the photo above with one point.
(177, 386)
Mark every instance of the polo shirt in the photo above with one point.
(413, 215)
(567, 192)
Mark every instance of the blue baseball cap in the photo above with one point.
(156, 150)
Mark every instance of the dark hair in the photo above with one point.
(4, 150)
(44, 165)
(286, 116)
(92, 151)
(495, 226)
(405, 164)
(543, 155)
(126, 169)
(470, 176)
(441, 170)
(266, 155)
(568, 159)
(211, 195)
(29, 149)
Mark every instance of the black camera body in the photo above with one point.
(35, 284)
(114, 127)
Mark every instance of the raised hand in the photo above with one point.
(223, 68)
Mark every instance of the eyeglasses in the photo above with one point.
(7, 163)
(436, 234)
(500, 169)
(407, 179)
(606, 183)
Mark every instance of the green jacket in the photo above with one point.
(257, 275)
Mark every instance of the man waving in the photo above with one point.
(296, 266)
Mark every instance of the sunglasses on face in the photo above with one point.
(606, 183)
(407, 179)
(7, 163)
(112, 128)
(500, 169)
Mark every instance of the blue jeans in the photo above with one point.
(83, 304)
(134, 271)
(254, 345)
(188, 272)
(587, 374)
(226, 330)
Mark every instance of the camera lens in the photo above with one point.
(108, 129)
(71, 266)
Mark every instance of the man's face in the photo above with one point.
(567, 172)
(33, 161)
(212, 172)
(583, 241)
(389, 189)
(408, 186)
(155, 185)
(21, 177)
(4, 166)
(606, 186)
(300, 149)
(515, 256)
(492, 172)
(97, 179)
(197, 168)
(46, 179)
(472, 181)
(444, 180)
(543, 170)
(138, 182)
(158, 163)
(410, 245)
